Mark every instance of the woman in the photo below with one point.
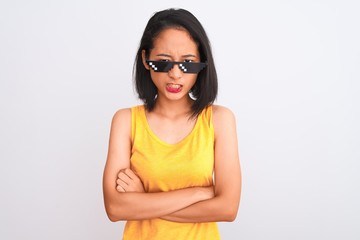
(163, 155)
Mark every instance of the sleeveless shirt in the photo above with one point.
(165, 167)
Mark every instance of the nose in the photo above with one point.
(175, 72)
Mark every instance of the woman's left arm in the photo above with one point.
(224, 206)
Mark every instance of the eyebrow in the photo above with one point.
(167, 55)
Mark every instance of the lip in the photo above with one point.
(174, 88)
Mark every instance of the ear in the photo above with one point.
(144, 60)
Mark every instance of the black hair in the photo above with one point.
(205, 88)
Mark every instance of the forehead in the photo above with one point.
(174, 41)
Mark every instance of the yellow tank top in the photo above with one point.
(164, 167)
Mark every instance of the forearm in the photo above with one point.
(138, 206)
(213, 210)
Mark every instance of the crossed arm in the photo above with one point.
(124, 195)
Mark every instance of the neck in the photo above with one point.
(173, 108)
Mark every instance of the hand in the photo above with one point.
(128, 181)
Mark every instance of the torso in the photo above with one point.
(167, 164)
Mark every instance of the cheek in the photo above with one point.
(157, 77)
(154, 75)
(192, 79)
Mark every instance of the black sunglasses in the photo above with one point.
(186, 67)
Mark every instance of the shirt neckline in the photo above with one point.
(153, 135)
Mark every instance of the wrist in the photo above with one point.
(205, 193)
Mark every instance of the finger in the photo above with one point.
(120, 188)
(122, 184)
(124, 177)
(121, 172)
(131, 174)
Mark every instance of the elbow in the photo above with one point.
(113, 213)
(231, 216)
(112, 217)
(227, 209)
(119, 210)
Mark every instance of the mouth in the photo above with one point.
(173, 88)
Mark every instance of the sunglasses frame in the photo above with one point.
(185, 67)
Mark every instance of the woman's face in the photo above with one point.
(173, 45)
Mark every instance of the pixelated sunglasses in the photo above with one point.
(186, 67)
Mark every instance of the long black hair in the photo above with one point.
(205, 88)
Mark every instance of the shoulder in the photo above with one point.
(223, 118)
(221, 113)
(121, 121)
(121, 115)
(126, 113)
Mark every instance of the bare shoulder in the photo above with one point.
(223, 120)
(122, 120)
(123, 114)
(221, 113)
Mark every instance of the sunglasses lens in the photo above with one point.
(186, 67)
(160, 66)
(191, 67)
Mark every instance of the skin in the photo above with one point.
(124, 193)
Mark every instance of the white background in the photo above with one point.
(289, 70)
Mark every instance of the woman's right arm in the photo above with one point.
(135, 205)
